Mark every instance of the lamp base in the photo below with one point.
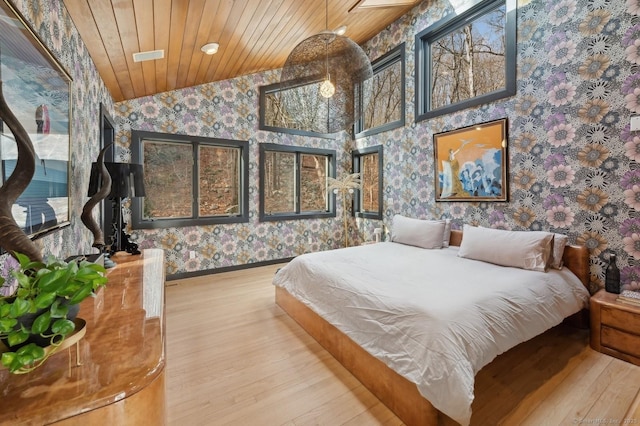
(124, 245)
(108, 263)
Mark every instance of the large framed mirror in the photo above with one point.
(36, 89)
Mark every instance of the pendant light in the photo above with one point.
(319, 80)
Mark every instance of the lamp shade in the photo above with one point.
(127, 180)
(319, 80)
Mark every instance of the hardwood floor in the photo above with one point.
(234, 358)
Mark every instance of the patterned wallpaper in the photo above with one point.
(227, 109)
(572, 159)
(53, 25)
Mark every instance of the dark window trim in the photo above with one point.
(446, 25)
(355, 161)
(137, 222)
(397, 54)
(331, 153)
(276, 87)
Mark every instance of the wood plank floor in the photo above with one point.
(234, 358)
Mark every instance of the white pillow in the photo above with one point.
(520, 249)
(415, 232)
(559, 243)
(447, 233)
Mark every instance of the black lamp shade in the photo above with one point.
(137, 171)
(127, 180)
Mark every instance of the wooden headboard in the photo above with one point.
(576, 258)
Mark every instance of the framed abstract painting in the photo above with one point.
(471, 163)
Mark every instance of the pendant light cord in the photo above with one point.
(326, 15)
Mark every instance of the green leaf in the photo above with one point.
(44, 300)
(80, 295)
(23, 259)
(41, 324)
(5, 310)
(27, 264)
(7, 324)
(59, 310)
(36, 351)
(23, 280)
(25, 357)
(8, 358)
(19, 307)
(17, 337)
(63, 327)
(52, 281)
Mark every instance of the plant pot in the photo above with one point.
(28, 319)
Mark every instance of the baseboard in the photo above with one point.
(183, 275)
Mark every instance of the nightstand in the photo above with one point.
(615, 327)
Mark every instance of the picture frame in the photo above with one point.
(470, 163)
(37, 90)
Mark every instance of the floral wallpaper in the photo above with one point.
(573, 162)
(229, 110)
(53, 25)
(571, 154)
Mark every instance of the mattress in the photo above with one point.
(431, 316)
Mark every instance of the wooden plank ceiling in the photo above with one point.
(254, 35)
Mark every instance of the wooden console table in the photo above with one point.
(115, 374)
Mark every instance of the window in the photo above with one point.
(369, 163)
(190, 180)
(466, 60)
(383, 95)
(293, 182)
(290, 111)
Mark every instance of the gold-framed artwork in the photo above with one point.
(471, 163)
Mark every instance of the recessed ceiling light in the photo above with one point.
(210, 48)
(148, 55)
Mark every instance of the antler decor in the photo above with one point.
(101, 194)
(345, 186)
(12, 238)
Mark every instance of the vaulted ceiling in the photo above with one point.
(254, 35)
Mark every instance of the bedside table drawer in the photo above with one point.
(623, 320)
(620, 341)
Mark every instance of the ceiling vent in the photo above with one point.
(148, 56)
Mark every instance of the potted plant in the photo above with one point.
(39, 305)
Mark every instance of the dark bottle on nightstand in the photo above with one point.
(612, 276)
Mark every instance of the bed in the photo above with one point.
(404, 322)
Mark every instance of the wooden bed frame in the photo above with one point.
(400, 395)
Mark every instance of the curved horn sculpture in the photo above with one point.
(101, 194)
(12, 238)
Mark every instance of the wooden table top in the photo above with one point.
(122, 351)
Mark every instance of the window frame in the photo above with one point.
(331, 198)
(397, 54)
(137, 220)
(449, 24)
(356, 156)
(274, 88)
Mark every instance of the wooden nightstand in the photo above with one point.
(615, 327)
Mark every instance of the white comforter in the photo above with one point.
(431, 316)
